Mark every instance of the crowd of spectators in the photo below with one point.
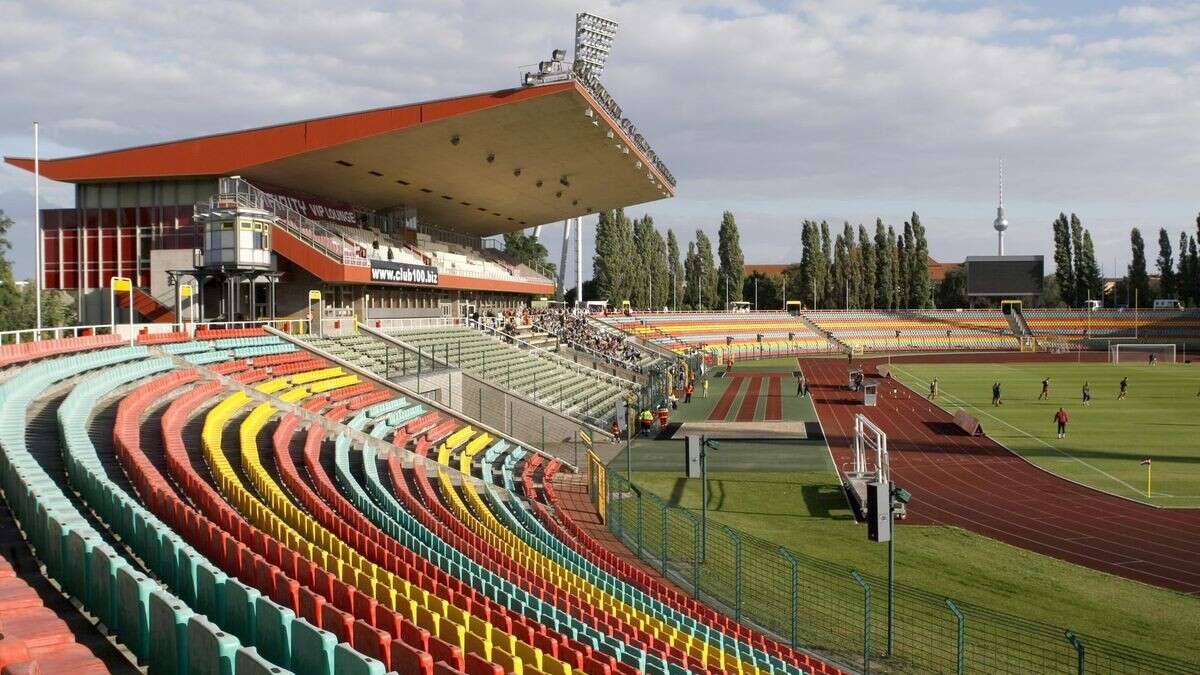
(571, 327)
(574, 329)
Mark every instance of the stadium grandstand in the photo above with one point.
(390, 213)
(774, 333)
(256, 508)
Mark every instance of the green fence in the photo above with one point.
(841, 614)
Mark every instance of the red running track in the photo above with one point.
(977, 484)
(775, 400)
(718, 413)
(750, 400)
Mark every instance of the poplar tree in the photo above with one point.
(1166, 266)
(676, 270)
(922, 289)
(883, 267)
(729, 250)
(1081, 277)
(1064, 270)
(706, 272)
(1093, 278)
(866, 254)
(1138, 278)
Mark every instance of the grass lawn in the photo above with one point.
(806, 512)
(788, 495)
(1106, 441)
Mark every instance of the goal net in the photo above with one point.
(1141, 353)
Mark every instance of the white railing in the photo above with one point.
(24, 335)
(235, 190)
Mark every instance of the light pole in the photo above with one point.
(705, 444)
(756, 294)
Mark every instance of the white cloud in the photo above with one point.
(837, 110)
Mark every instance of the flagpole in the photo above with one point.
(1149, 467)
(37, 232)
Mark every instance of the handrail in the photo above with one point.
(241, 192)
(595, 423)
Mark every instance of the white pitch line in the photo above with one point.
(1064, 453)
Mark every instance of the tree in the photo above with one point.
(1139, 280)
(1194, 269)
(690, 273)
(1081, 289)
(659, 269)
(1093, 279)
(612, 265)
(729, 250)
(769, 296)
(676, 269)
(866, 257)
(1183, 274)
(1166, 266)
(952, 290)
(807, 287)
(884, 255)
(839, 289)
(707, 272)
(1064, 270)
(649, 273)
(904, 258)
(527, 250)
(824, 286)
(922, 287)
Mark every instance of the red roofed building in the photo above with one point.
(387, 211)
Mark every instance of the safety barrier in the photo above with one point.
(840, 613)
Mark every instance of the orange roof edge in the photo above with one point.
(229, 152)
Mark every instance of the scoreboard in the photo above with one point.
(1007, 275)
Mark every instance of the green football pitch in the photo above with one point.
(1106, 441)
(789, 495)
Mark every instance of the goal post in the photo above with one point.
(1127, 352)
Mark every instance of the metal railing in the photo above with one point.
(25, 335)
(235, 190)
(547, 354)
(830, 610)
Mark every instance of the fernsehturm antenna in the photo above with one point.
(1001, 222)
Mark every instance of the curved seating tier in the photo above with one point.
(1078, 324)
(261, 510)
(916, 330)
(576, 391)
(679, 331)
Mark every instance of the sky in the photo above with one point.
(776, 111)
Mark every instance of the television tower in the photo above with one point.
(1001, 222)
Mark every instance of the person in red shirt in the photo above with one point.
(687, 393)
(1061, 419)
(616, 429)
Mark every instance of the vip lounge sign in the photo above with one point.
(387, 271)
(314, 208)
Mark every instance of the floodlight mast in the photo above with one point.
(593, 41)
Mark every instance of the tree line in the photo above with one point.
(846, 270)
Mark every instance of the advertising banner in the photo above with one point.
(388, 271)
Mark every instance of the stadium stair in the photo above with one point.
(147, 306)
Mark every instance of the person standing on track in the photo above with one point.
(687, 393)
(705, 386)
(933, 387)
(1087, 393)
(800, 384)
(996, 394)
(1061, 419)
(1045, 389)
(1124, 389)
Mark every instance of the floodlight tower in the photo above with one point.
(593, 42)
(1001, 222)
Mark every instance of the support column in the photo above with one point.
(579, 262)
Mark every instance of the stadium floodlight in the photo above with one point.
(593, 42)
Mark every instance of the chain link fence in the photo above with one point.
(841, 614)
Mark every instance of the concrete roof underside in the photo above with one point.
(383, 158)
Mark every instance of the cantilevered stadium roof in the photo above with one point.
(482, 164)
